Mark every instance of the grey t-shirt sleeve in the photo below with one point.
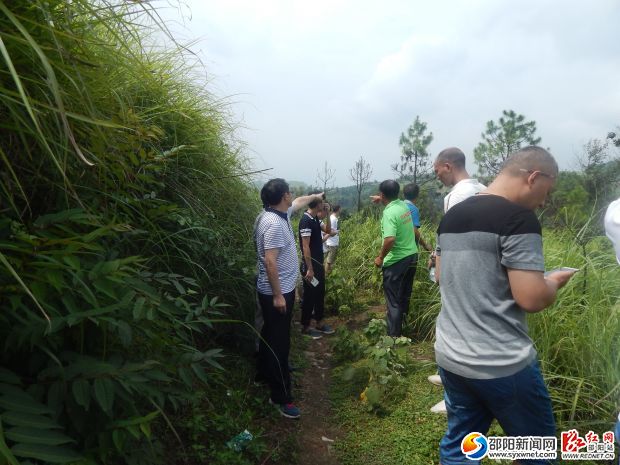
(521, 243)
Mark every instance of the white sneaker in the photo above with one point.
(439, 407)
(435, 379)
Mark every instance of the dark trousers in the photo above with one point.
(397, 286)
(274, 347)
(313, 304)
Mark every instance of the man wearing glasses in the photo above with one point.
(278, 269)
(490, 270)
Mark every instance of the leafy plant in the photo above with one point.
(117, 250)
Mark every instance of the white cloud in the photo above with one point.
(336, 79)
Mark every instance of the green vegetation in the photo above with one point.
(126, 273)
(118, 249)
(499, 140)
(381, 395)
(414, 158)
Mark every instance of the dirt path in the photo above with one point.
(316, 425)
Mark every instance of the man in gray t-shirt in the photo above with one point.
(491, 273)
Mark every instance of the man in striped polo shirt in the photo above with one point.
(490, 268)
(278, 269)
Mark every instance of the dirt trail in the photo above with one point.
(316, 421)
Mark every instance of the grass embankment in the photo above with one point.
(391, 423)
(123, 238)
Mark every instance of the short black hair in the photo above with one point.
(336, 208)
(390, 189)
(273, 191)
(411, 191)
(315, 202)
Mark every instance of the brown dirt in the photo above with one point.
(311, 391)
(316, 424)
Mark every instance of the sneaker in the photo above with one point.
(435, 379)
(311, 332)
(325, 329)
(439, 407)
(289, 410)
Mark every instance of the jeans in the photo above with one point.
(520, 403)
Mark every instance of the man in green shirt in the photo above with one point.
(398, 252)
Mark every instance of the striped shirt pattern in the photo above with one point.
(481, 332)
(273, 230)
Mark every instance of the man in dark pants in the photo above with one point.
(397, 254)
(275, 285)
(311, 244)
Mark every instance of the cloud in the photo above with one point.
(336, 79)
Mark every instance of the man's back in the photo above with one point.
(333, 241)
(462, 190)
(310, 226)
(481, 331)
(396, 222)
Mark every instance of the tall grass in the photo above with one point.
(576, 338)
(124, 228)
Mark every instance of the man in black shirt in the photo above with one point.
(311, 244)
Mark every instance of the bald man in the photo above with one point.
(449, 167)
(486, 359)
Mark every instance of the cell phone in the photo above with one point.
(564, 268)
(314, 282)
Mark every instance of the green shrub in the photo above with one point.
(118, 248)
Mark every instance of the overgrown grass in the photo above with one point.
(123, 236)
(577, 342)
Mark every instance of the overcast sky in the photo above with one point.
(333, 80)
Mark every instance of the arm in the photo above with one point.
(437, 268)
(328, 220)
(305, 244)
(421, 241)
(304, 200)
(271, 266)
(387, 245)
(532, 291)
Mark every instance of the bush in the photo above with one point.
(117, 244)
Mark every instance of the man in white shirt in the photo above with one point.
(449, 167)
(333, 241)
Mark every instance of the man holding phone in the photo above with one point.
(277, 267)
(312, 271)
(490, 270)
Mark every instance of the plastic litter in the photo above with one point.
(240, 441)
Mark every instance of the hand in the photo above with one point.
(431, 261)
(560, 278)
(279, 303)
(309, 275)
(333, 233)
(375, 198)
(379, 261)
